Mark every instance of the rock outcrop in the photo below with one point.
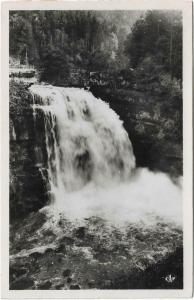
(153, 122)
(28, 189)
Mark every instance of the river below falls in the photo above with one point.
(50, 253)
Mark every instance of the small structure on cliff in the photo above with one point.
(22, 72)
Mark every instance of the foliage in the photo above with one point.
(157, 35)
(19, 97)
(59, 41)
(170, 86)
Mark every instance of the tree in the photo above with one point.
(158, 35)
(55, 65)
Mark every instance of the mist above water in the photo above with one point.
(91, 165)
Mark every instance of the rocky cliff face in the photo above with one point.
(154, 125)
(28, 191)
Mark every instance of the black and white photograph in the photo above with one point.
(96, 149)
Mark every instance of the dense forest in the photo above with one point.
(59, 42)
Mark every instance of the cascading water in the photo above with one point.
(91, 165)
(85, 139)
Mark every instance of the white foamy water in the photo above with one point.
(91, 164)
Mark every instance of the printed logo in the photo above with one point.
(169, 278)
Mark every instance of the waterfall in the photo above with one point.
(85, 139)
(91, 165)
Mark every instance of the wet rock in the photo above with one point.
(61, 249)
(36, 255)
(107, 283)
(22, 284)
(67, 240)
(45, 285)
(49, 232)
(91, 284)
(59, 259)
(139, 237)
(49, 250)
(74, 287)
(66, 273)
(17, 272)
(18, 248)
(80, 232)
(103, 256)
(59, 286)
(69, 280)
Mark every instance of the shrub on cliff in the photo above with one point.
(170, 86)
(19, 97)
